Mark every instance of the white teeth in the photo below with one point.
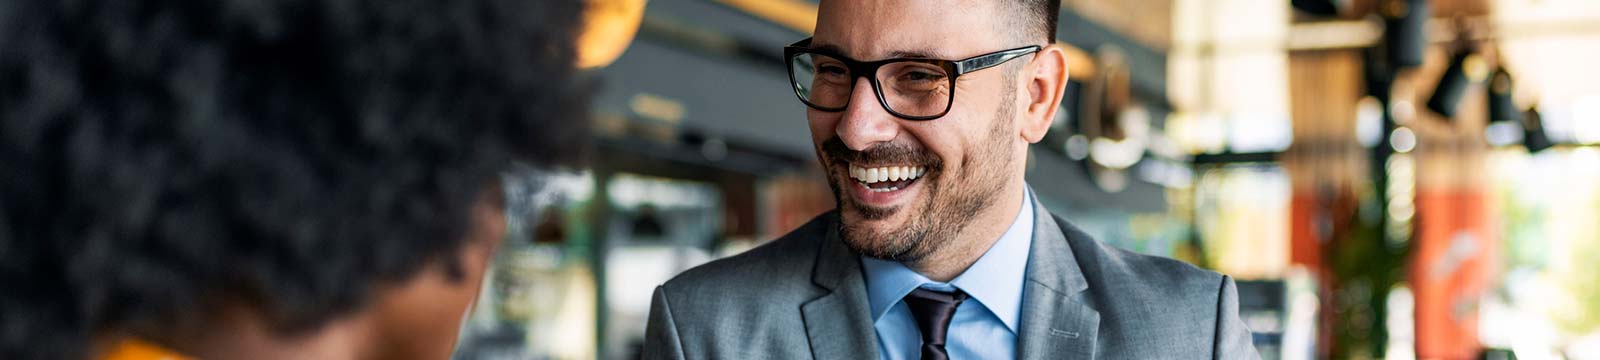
(884, 189)
(890, 173)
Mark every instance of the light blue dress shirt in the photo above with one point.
(984, 326)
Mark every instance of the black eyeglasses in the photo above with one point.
(917, 89)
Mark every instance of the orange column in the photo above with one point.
(1450, 271)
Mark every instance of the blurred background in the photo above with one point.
(1388, 178)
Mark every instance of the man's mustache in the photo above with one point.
(887, 153)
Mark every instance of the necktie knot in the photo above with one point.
(933, 311)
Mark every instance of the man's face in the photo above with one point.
(956, 164)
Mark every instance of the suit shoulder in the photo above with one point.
(787, 259)
(1116, 267)
(1153, 306)
(1151, 267)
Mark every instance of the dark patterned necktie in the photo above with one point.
(933, 311)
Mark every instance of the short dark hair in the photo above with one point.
(155, 155)
(1037, 17)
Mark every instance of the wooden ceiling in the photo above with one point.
(1147, 21)
(1440, 8)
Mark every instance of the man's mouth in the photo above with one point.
(882, 179)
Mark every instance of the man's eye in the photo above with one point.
(920, 76)
(831, 70)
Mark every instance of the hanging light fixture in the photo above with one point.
(1533, 136)
(1466, 68)
(1502, 108)
(1405, 31)
(1319, 7)
(609, 27)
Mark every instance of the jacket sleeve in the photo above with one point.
(661, 335)
(1233, 339)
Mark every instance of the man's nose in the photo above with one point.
(864, 121)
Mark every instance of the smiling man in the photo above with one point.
(921, 112)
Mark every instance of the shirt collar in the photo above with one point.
(995, 280)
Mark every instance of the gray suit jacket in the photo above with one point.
(803, 296)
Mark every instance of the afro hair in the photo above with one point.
(158, 154)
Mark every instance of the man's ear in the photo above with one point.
(1047, 83)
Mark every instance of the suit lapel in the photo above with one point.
(838, 324)
(1055, 322)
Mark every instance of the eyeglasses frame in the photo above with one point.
(869, 69)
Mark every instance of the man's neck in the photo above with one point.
(972, 242)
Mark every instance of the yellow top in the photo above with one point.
(139, 350)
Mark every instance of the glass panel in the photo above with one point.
(915, 89)
(821, 80)
(659, 228)
(538, 297)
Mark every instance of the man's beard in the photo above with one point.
(943, 212)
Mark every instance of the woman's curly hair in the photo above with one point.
(157, 155)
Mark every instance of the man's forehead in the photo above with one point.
(885, 50)
(880, 29)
